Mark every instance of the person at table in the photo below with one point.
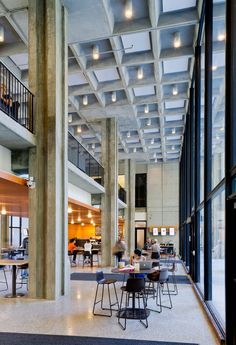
(137, 257)
(72, 250)
(87, 251)
(148, 244)
(155, 250)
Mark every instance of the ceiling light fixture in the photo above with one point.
(128, 9)
(128, 134)
(172, 147)
(175, 90)
(79, 129)
(146, 109)
(134, 149)
(149, 122)
(95, 52)
(152, 141)
(72, 221)
(69, 209)
(177, 40)
(85, 100)
(3, 212)
(70, 118)
(173, 131)
(1, 34)
(89, 214)
(82, 224)
(140, 73)
(113, 96)
(79, 219)
(93, 146)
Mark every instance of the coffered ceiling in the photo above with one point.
(136, 69)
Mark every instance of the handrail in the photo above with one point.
(15, 98)
(82, 159)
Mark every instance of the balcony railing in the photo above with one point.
(121, 193)
(83, 160)
(15, 99)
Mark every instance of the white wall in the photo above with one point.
(5, 159)
(79, 194)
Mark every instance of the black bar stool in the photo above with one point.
(101, 281)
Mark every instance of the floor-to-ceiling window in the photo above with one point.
(201, 231)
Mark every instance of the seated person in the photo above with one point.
(87, 251)
(155, 250)
(72, 250)
(137, 257)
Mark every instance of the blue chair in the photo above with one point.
(101, 281)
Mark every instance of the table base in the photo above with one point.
(137, 313)
(19, 294)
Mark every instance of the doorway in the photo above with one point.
(140, 237)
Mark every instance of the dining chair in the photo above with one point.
(102, 281)
(136, 288)
(161, 279)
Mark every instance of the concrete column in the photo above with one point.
(130, 200)
(48, 160)
(4, 230)
(110, 198)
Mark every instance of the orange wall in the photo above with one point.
(76, 230)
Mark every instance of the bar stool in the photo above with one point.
(101, 281)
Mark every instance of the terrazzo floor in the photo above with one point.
(72, 315)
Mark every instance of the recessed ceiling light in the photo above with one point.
(146, 109)
(140, 73)
(85, 100)
(93, 146)
(89, 214)
(82, 224)
(113, 96)
(95, 52)
(72, 221)
(149, 122)
(177, 40)
(134, 149)
(79, 219)
(152, 141)
(173, 131)
(172, 147)
(175, 90)
(221, 37)
(128, 9)
(3, 212)
(70, 118)
(78, 130)
(128, 134)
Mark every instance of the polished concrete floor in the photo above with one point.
(72, 315)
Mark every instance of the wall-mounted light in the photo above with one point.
(113, 96)
(146, 109)
(177, 39)
(175, 90)
(128, 9)
(128, 134)
(149, 122)
(85, 100)
(140, 73)
(95, 52)
(69, 209)
(1, 34)
(70, 118)
(78, 129)
(173, 131)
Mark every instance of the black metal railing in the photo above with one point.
(121, 193)
(15, 99)
(83, 160)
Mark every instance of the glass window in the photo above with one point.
(218, 253)
(201, 229)
(202, 122)
(218, 97)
